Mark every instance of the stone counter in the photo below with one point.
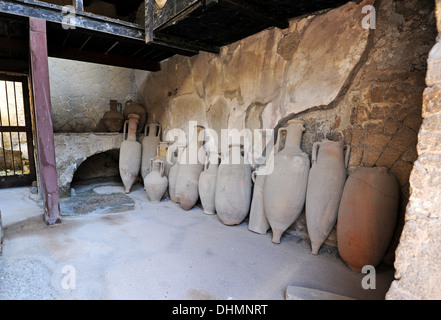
(71, 149)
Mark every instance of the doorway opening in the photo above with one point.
(17, 165)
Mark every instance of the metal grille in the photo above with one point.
(17, 167)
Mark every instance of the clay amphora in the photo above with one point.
(207, 183)
(325, 185)
(162, 151)
(258, 222)
(155, 182)
(173, 172)
(367, 216)
(114, 119)
(130, 154)
(284, 190)
(191, 164)
(150, 142)
(233, 187)
(132, 107)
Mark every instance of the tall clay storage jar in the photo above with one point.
(150, 142)
(233, 187)
(325, 186)
(130, 154)
(207, 183)
(191, 164)
(367, 216)
(136, 108)
(285, 188)
(258, 222)
(114, 119)
(155, 182)
(173, 172)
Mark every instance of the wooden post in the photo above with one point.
(78, 4)
(45, 134)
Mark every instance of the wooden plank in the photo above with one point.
(171, 10)
(169, 16)
(43, 117)
(54, 13)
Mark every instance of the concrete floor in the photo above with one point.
(159, 251)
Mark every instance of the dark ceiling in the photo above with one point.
(183, 27)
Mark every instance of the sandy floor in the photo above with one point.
(159, 251)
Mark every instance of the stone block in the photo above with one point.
(433, 75)
(73, 148)
(425, 179)
(431, 101)
(432, 124)
(414, 255)
(429, 142)
(370, 155)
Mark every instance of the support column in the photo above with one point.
(45, 134)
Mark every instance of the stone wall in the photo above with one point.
(80, 93)
(346, 82)
(418, 258)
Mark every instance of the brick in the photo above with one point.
(413, 120)
(375, 94)
(370, 155)
(391, 126)
(377, 140)
(388, 158)
(404, 138)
